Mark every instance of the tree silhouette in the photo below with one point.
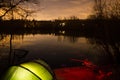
(12, 9)
(99, 8)
(106, 9)
(114, 9)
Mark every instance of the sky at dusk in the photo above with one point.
(54, 9)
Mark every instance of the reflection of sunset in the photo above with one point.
(16, 40)
(5, 41)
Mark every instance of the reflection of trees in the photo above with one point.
(71, 39)
(109, 46)
(9, 55)
(4, 39)
(12, 52)
(2, 36)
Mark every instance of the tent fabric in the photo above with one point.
(38, 69)
(41, 62)
(18, 73)
(34, 70)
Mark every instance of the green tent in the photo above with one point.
(34, 70)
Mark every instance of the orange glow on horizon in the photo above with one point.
(54, 9)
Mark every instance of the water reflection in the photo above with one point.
(107, 48)
(110, 48)
(71, 39)
(95, 56)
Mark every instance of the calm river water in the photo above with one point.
(58, 51)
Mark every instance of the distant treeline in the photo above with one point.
(61, 25)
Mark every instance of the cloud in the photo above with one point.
(65, 8)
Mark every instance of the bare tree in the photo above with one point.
(12, 9)
(114, 9)
(106, 9)
(99, 8)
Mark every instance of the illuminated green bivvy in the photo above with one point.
(34, 70)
